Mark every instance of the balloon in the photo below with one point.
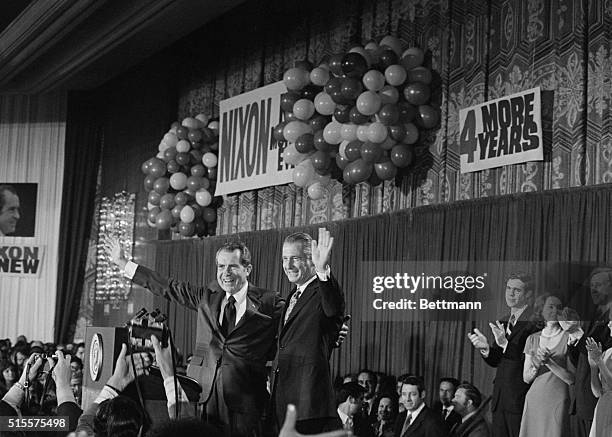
(351, 88)
(203, 197)
(371, 152)
(428, 117)
(388, 114)
(331, 133)
(170, 139)
(368, 103)
(412, 133)
(310, 91)
(292, 156)
(333, 85)
(377, 132)
(357, 117)
(354, 65)
(183, 146)
(397, 132)
(214, 127)
(324, 104)
(420, 74)
(305, 143)
(395, 75)
(319, 76)
(190, 123)
(342, 114)
(353, 150)
(194, 135)
(417, 93)
(374, 80)
(388, 143)
(161, 185)
(346, 173)
(176, 211)
(412, 57)
(183, 158)
(182, 133)
(278, 131)
(303, 109)
(338, 98)
(303, 173)
(288, 99)
(160, 155)
(208, 135)
(316, 191)
(178, 181)
(290, 116)
(335, 64)
(198, 170)
(371, 46)
(393, 43)
(167, 201)
(203, 119)
(363, 52)
(209, 214)
(348, 132)
(209, 160)
(157, 168)
(387, 58)
(187, 214)
(181, 198)
(149, 182)
(401, 156)
(144, 167)
(341, 161)
(389, 94)
(186, 229)
(320, 160)
(163, 220)
(318, 122)
(320, 143)
(196, 156)
(296, 78)
(407, 112)
(169, 154)
(360, 171)
(152, 215)
(362, 132)
(295, 129)
(385, 170)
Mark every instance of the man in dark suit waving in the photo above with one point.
(308, 330)
(236, 330)
(418, 420)
(507, 355)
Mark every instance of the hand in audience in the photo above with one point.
(594, 351)
(569, 319)
(163, 357)
(33, 363)
(499, 332)
(116, 253)
(62, 372)
(478, 339)
(124, 372)
(288, 429)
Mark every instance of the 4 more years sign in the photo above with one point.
(21, 260)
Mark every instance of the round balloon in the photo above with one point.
(362, 132)
(428, 117)
(167, 201)
(357, 117)
(161, 185)
(393, 43)
(395, 75)
(319, 76)
(157, 168)
(320, 160)
(295, 129)
(163, 220)
(371, 152)
(198, 170)
(388, 114)
(389, 94)
(288, 99)
(183, 146)
(354, 65)
(412, 57)
(417, 93)
(152, 215)
(303, 173)
(316, 191)
(331, 133)
(178, 181)
(420, 74)
(401, 155)
(320, 143)
(324, 104)
(296, 78)
(412, 133)
(368, 103)
(342, 114)
(360, 171)
(305, 143)
(303, 109)
(377, 132)
(203, 197)
(186, 229)
(385, 170)
(373, 80)
(348, 132)
(187, 214)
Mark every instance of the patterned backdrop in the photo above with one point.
(481, 50)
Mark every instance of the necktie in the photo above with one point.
(348, 425)
(406, 424)
(292, 303)
(510, 324)
(444, 413)
(229, 316)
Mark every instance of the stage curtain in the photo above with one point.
(82, 158)
(32, 134)
(562, 227)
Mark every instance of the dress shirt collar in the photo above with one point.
(467, 416)
(343, 416)
(302, 287)
(414, 414)
(516, 312)
(240, 295)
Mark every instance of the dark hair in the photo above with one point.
(597, 271)
(538, 306)
(404, 376)
(118, 417)
(415, 380)
(6, 364)
(185, 427)
(450, 379)
(304, 239)
(394, 403)
(524, 277)
(75, 359)
(372, 374)
(472, 393)
(231, 246)
(350, 389)
(3, 188)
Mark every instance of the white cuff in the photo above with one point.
(64, 394)
(106, 393)
(324, 275)
(130, 269)
(575, 336)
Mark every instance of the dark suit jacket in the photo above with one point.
(583, 401)
(427, 424)
(451, 420)
(241, 356)
(509, 389)
(301, 374)
(475, 426)
(362, 427)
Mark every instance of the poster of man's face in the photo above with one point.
(17, 209)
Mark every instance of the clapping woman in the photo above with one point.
(601, 384)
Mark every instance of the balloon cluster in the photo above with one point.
(356, 117)
(181, 179)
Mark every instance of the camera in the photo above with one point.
(143, 326)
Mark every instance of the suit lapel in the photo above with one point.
(301, 302)
(521, 323)
(253, 303)
(416, 423)
(213, 308)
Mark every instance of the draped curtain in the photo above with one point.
(480, 50)
(32, 132)
(567, 229)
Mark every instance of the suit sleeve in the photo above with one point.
(495, 355)
(179, 292)
(278, 305)
(332, 297)
(73, 412)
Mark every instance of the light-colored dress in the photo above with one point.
(602, 421)
(546, 411)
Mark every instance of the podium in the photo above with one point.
(102, 347)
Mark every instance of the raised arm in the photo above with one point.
(332, 296)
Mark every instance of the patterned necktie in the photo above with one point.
(292, 303)
(406, 424)
(510, 324)
(229, 316)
